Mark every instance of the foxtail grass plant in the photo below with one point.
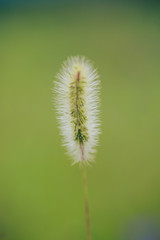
(77, 103)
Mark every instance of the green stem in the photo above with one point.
(86, 204)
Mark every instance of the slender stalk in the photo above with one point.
(86, 204)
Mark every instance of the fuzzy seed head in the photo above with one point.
(77, 105)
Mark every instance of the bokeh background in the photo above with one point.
(41, 194)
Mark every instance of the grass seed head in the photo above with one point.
(77, 104)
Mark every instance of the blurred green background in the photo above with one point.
(41, 194)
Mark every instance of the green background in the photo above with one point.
(41, 194)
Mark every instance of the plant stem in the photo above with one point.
(86, 204)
